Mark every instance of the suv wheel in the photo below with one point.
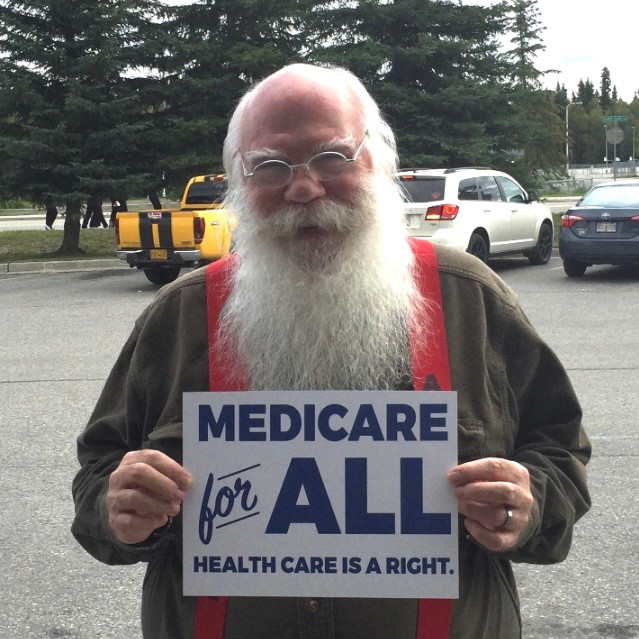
(574, 269)
(478, 247)
(543, 249)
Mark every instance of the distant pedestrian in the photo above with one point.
(51, 213)
(118, 204)
(93, 216)
(155, 200)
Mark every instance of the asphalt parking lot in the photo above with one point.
(60, 335)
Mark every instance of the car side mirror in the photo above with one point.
(532, 196)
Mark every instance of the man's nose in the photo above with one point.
(303, 187)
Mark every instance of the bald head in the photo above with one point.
(287, 101)
(298, 93)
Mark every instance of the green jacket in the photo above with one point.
(514, 400)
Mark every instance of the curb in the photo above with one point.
(62, 266)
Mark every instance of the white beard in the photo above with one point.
(328, 314)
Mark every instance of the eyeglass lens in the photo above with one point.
(324, 166)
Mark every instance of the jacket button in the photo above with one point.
(313, 606)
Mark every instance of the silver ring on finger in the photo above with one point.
(509, 517)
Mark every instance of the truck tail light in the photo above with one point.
(117, 231)
(442, 212)
(568, 220)
(199, 226)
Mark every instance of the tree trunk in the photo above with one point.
(71, 237)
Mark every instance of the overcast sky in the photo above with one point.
(582, 38)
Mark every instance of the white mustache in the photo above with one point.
(324, 216)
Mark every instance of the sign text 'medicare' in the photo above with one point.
(332, 422)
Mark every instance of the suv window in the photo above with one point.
(511, 190)
(422, 190)
(468, 189)
(488, 188)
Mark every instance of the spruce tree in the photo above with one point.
(605, 98)
(435, 70)
(526, 31)
(70, 114)
(212, 53)
(586, 93)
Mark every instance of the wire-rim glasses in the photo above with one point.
(324, 166)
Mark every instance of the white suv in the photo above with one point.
(478, 210)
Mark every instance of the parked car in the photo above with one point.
(476, 209)
(163, 242)
(602, 227)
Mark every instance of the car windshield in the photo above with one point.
(614, 195)
(422, 189)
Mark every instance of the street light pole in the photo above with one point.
(634, 157)
(567, 142)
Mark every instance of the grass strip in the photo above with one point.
(40, 246)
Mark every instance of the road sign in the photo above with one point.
(615, 118)
(614, 135)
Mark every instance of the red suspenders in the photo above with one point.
(430, 371)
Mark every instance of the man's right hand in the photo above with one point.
(145, 491)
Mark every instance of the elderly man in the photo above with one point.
(323, 294)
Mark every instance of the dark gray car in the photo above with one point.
(602, 228)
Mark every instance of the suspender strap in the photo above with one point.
(218, 287)
(210, 617)
(430, 372)
(210, 612)
(429, 359)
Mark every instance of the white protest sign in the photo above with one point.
(318, 493)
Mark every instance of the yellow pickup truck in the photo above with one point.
(162, 242)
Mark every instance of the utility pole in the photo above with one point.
(567, 140)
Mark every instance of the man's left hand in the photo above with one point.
(494, 496)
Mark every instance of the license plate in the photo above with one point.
(413, 221)
(606, 227)
(159, 254)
